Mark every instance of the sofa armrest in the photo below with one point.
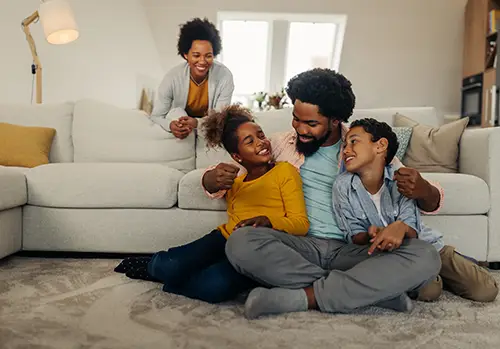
(13, 189)
(480, 156)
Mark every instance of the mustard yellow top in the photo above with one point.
(197, 103)
(277, 195)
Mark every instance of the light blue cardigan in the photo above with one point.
(174, 89)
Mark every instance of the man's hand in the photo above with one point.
(178, 130)
(413, 186)
(259, 221)
(410, 183)
(220, 178)
(388, 238)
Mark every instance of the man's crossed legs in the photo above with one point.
(344, 277)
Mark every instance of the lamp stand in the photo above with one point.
(38, 67)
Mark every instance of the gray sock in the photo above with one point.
(402, 304)
(263, 301)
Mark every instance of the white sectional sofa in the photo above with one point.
(117, 182)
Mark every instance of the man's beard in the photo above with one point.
(309, 148)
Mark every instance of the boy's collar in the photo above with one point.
(388, 177)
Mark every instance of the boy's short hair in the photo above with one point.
(379, 130)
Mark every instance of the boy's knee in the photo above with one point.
(431, 291)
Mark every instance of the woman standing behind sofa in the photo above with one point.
(189, 89)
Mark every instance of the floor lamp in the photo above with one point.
(59, 27)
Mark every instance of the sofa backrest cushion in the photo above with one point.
(281, 120)
(106, 133)
(57, 116)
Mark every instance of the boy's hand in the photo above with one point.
(388, 238)
(259, 221)
(374, 230)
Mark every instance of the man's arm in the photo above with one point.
(217, 180)
(430, 201)
(429, 196)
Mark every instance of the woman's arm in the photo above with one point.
(163, 112)
(295, 221)
(226, 93)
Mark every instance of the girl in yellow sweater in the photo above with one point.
(269, 194)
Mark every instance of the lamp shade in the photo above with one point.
(58, 22)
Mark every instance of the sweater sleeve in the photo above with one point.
(226, 93)
(295, 221)
(163, 113)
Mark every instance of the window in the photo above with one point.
(308, 47)
(264, 50)
(245, 54)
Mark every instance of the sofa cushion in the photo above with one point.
(106, 133)
(12, 188)
(98, 185)
(58, 116)
(463, 194)
(192, 196)
(25, 146)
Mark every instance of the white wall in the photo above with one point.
(114, 57)
(396, 53)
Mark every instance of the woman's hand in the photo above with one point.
(182, 128)
(189, 121)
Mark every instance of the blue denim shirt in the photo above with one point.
(355, 211)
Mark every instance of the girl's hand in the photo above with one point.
(259, 221)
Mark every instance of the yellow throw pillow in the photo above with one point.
(25, 146)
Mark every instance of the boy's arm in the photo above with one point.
(295, 221)
(353, 228)
(406, 225)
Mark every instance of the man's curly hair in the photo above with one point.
(327, 89)
(219, 127)
(198, 29)
(380, 130)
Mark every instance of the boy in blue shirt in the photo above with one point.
(371, 211)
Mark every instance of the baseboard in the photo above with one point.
(79, 255)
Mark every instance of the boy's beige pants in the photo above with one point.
(462, 277)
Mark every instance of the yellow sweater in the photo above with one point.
(277, 195)
(197, 103)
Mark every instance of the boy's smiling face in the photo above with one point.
(360, 150)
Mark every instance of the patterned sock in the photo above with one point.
(140, 273)
(132, 263)
(263, 301)
(402, 304)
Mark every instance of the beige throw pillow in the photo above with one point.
(432, 149)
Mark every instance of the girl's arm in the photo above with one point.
(295, 221)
